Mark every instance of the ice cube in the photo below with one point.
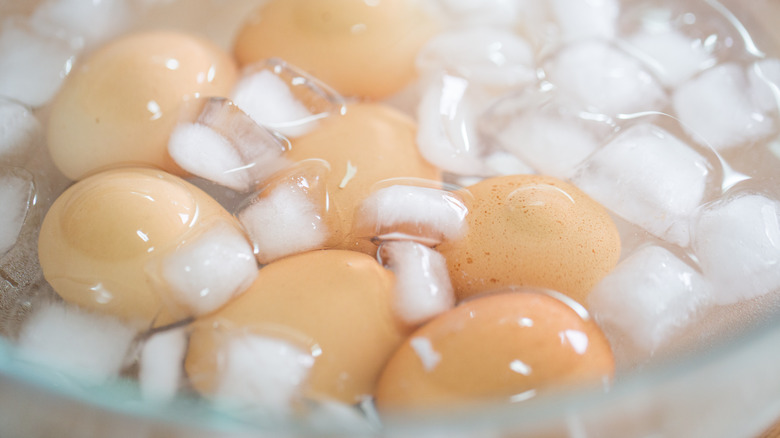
(764, 77)
(650, 178)
(491, 57)
(737, 242)
(16, 193)
(504, 163)
(478, 12)
(261, 374)
(227, 147)
(649, 298)
(423, 214)
(160, 369)
(716, 108)
(284, 98)
(20, 132)
(94, 21)
(83, 344)
(671, 55)
(32, 65)
(290, 215)
(423, 288)
(584, 19)
(207, 270)
(602, 78)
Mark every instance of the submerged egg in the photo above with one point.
(508, 346)
(531, 230)
(122, 103)
(337, 304)
(143, 245)
(361, 48)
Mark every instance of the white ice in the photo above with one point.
(580, 19)
(15, 194)
(737, 242)
(205, 272)
(94, 21)
(161, 364)
(650, 178)
(490, 57)
(670, 54)
(649, 297)
(268, 100)
(764, 77)
(20, 131)
(601, 78)
(32, 65)
(261, 374)
(89, 346)
(478, 12)
(421, 213)
(716, 108)
(550, 145)
(423, 288)
(505, 163)
(283, 222)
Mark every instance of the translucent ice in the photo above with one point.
(20, 130)
(91, 20)
(284, 98)
(423, 214)
(261, 374)
(604, 79)
(487, 56)
(423, 288)
(648, 298)
(32, 65)
(583, 19)
(764, 77)
(478, 12)
(737, 242)
(670, 54)
(206, 271)
(650, 178)
(717, 108)
(16, 191)
(227, 147)
(160, 368)
(89, 346)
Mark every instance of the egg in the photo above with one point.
(337, 303)
(368, 144)
(532, 230)
(110, 243)
(362, 48)
(122, 103)
(502, 347)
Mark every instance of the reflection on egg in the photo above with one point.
(368, 144)
(121, 105)
(508, 346)
(336, 303)
(108, 239)
(532, 230)
(362, 48)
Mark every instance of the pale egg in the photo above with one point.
(532, 230)
(338, 304)
(122, 103)
(362, 48)
(504, 347)
(143, 245)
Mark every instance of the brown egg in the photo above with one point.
(531, 230)
(503, 347)
(366, 145)
(121, 105)
(105, 240)
(359, 47)
(338, 303)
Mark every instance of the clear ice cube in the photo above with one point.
(20, 132)
(16, 196)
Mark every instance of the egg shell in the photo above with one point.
(337, 303)
(122, 103)
(500, 347)
(102, 237)
(532, 230)
(368, 144)
(361, 48)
